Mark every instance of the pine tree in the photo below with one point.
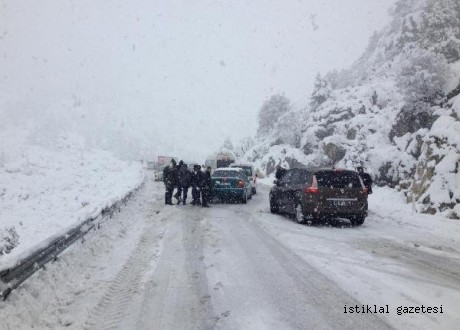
(321, 92)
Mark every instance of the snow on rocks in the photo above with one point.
(436, 183)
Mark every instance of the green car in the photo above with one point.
(231, 184)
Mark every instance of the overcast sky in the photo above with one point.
(182, 74)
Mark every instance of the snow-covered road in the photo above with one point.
(240, 267)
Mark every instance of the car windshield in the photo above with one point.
(226, 174)
(224, 162)
(247, 170)
(334, 179)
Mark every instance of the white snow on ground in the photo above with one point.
(53, 184)
(67, 291)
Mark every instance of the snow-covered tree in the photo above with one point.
(422, 76)
(228, 145)
(288, 128)
(243, 146)
(332, 77)
(321, 92)
(441, 28)
(271, 111)
(401, 10)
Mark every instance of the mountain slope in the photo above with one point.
(395, 111)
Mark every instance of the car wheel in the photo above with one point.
(274, 207)
(357, 220)
(300, 218)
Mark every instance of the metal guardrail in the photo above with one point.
(11, 278)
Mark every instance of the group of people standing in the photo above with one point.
(178, 176)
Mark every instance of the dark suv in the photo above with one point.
(314, 195)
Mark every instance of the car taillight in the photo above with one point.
(365, 190)
(313, 189)
(240, 184)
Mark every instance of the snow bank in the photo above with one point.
(50, 184)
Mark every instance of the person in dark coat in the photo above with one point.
(367, 180)
(197, 178)
(185, 180)
(206, 187)
(170, 180)
(178, 194)
(279, 172)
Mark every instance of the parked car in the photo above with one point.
(231, 183)
(314, 195)
(252, 176)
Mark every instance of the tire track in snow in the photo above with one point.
(178, 296)
(436, 269)
(281, 290)
(112, 309)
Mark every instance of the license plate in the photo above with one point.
(341, 202)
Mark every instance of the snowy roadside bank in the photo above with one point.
(46, 191)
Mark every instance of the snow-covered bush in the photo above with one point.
(9, 239)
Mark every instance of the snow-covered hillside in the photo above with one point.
(49, 184)
(395, 111)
